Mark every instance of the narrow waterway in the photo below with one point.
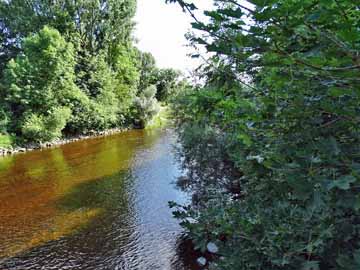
(94, 204)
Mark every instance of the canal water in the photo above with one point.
(94, 204)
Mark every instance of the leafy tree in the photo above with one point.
(101, 61)
(111, 86)
(166, 83)
(126, 74)
(270, 142)
(166, 80)
(148, 70)
(93, 25)
(77, 55)
(41, 78)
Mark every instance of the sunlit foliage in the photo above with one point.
(72, 56)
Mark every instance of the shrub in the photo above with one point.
(45, 128)
(94, 114)
(39, 79)
(146, 106)
(6, 140)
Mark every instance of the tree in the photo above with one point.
(103, 61)
(270, 142)
(166, 83)
(127, 75)
(91, 25)
(41, 78)
(148, 70)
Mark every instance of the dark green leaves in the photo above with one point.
(292, 158)
(343, 183)
(199, 26)
(310, 265)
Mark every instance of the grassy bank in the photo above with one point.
(161, 119)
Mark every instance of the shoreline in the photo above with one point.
(46, 145)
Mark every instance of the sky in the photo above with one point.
(160, 30)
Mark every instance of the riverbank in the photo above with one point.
(12, 150)
(159, 120)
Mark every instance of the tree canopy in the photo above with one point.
(73, 61)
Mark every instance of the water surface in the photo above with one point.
(94, 204)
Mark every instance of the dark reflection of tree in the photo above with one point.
(97, 243)
(186, 255)
(106, 236)
(206, 166)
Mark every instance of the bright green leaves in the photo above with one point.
(32, 82)
(245, 139)
(337, 92)
(74, 54)
(91, 25)
(39, 84)
(46, 128)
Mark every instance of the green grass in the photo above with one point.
(161, 119)
(6, 141)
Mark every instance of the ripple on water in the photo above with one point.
(94, 204)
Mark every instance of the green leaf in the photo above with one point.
(213, 14)
(199, 26)
(245, 139)
(357, 203)
(334, 146)
(342, 183)
(337, 92)
(237, 13)
(310, 265)
(313, 17)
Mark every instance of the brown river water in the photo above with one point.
(94, 204)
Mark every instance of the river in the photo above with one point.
(100, 203)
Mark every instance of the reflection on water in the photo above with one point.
(94, 204)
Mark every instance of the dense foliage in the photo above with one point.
(70, 67)
(146, 106)
(270, 144)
